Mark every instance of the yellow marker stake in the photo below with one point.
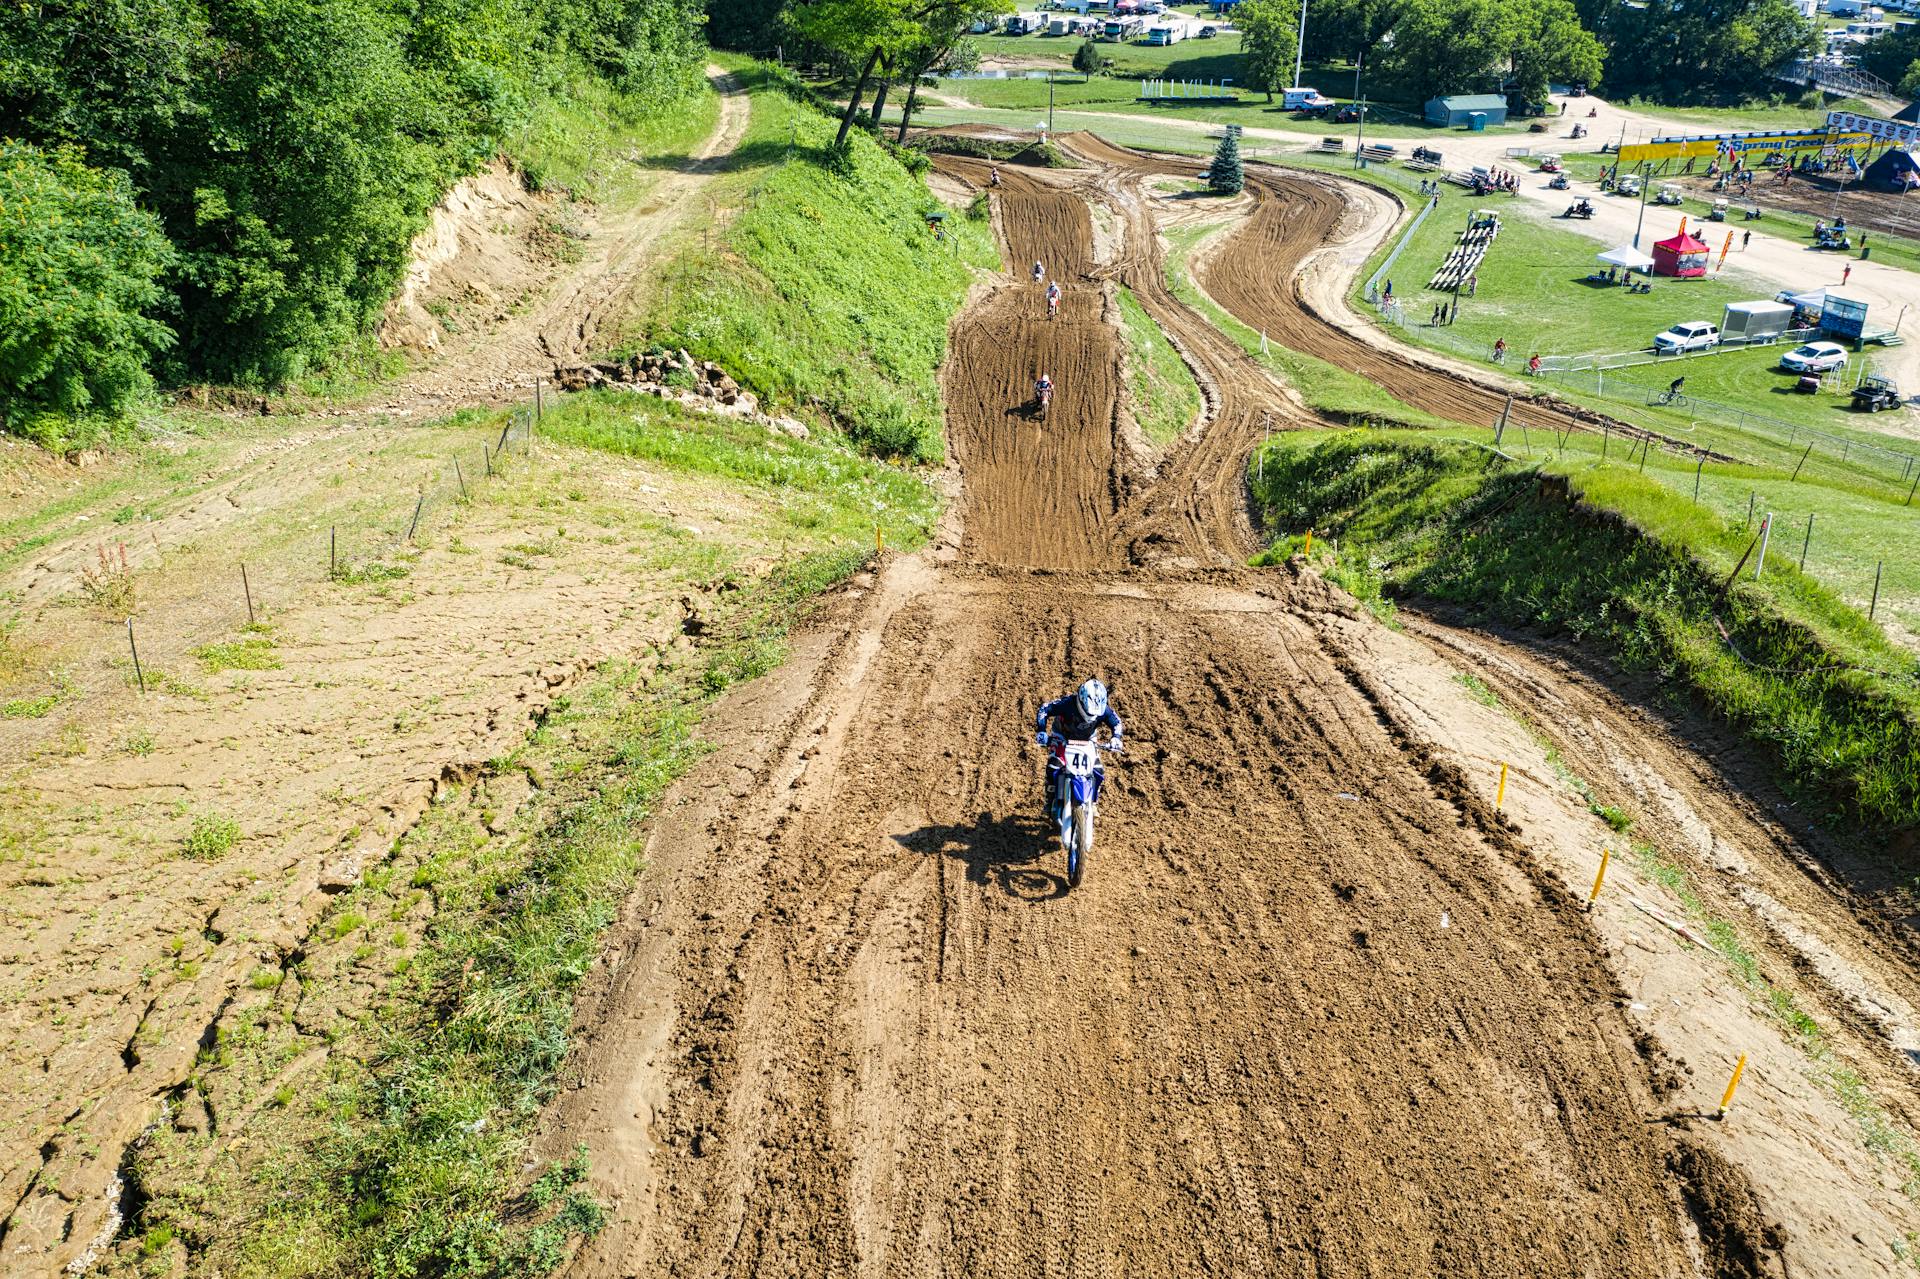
(1605, 853)
(1309, 543)
(1732, 1084)
(1501, 796)
(879, 547)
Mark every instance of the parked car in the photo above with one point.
(1695, 335)
(1209, 32)
(1815, 357)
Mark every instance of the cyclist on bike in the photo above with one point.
(1076, 717)
(1499, 350)
(1674, 387)
(1533, 365)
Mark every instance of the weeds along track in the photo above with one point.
(1314, 1012)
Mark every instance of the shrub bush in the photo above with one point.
(80, 267)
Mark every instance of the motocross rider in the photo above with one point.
(1076, 717)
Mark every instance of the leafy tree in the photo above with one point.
(941, 47)
(1451, 46)
(1351, 28)
(1087, 60)
(1704, 50)
(1547, 43)
(292, 147)
(79, 268)
(859, 33)
(1895, 58)
(1456, 46)
(1225, 175)
(1269, 39)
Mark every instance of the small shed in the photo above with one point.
(1681, 257)
(1456, 111)
(1894, 171)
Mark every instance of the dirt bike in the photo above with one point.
(1076, 800)
(1042, 397)
(1053, 307)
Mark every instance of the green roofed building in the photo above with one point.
(1456, 111)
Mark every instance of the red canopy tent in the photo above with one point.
(1682, 256)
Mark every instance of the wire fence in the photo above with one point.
(171, 619)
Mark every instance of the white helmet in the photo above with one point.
(1092, 698)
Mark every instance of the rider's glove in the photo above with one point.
(1114, 745)
(1039, 739)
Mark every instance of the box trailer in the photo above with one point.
(1755, 321)
(1166, 34)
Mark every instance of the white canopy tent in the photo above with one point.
(1627, 258)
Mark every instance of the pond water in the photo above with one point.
(996, 75)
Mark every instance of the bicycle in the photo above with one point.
(1670, 397)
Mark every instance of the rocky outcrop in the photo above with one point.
(699, 385)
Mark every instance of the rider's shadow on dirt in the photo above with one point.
(1007, 851)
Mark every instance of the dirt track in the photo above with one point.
(1316, 1010)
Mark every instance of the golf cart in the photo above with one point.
(1719, 211)
(1875, 393)
(1828, 238)
(1549, 164)
(1558, 182)
(1669, 194)
(1627, 184)
(1581, 208)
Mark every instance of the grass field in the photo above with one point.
(1165, 398)
(1804, 672)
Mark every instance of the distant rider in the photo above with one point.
(1533, 365)
(1499, 350)
(1042, 390)
(1076, 717)
(1674, 387)
(1053, 299)
(993, 176)
(1039, 272)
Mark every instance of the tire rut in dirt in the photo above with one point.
(1246, 1045)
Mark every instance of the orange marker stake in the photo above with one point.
(1726, 1102)
(1605, 853)
(1500, 796)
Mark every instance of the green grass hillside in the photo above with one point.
(824, 286)
(1617, 560)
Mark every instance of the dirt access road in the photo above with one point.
(1316, 1010)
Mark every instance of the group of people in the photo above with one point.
(1430, 188)
(1500, 357)
(1043, 385)
(1496, 180)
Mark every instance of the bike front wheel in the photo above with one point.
(1082, 845)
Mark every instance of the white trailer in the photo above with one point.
(1755, 321)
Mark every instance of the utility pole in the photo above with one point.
(1645, 165)
(1360, 125)
(1300, 45)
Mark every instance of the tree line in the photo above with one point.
(226, 189)
(1672, 51)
